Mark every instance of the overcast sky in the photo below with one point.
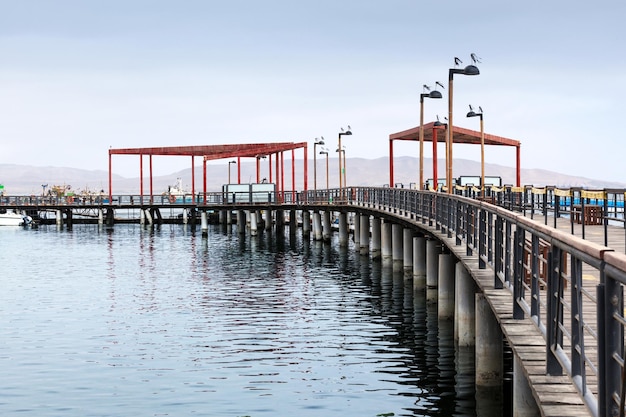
(78, 77)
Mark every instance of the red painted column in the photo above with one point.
(238, 170)
(518, 151)
(391, 163)
(435, 179)
(306, 168)
(141, 176)
(204, 180)
(282, 175)
(193, 178)
(151, 188)
(293, 175)
(110, 179)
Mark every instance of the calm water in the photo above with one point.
(134, 322)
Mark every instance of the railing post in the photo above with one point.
(613, 344)
(482, 224)
(554, 334)
(518, 273)
(470, 224)
(499, 261)
(458, 218)
(534, 276)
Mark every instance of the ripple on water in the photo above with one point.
(165, 322)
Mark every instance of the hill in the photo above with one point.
(28, 180)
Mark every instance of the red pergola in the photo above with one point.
(437, 134)
(214, 152)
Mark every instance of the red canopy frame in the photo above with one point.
(461, 135)
(214, 152)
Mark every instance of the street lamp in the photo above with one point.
(429, 94)
(317, 142)
(325, 152)
(343, 151)
(472, 113)
(347, 132)
(468, 70)
(229, 163)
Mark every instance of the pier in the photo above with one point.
(535, 267)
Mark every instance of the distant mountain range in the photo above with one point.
(28, 180)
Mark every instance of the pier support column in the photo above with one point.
(344, 235)
(385, 239)
(489, 364)
(306, 224)
(407, 254)
(280, 221)
(185, 216)
(356, 234)
(142, 217)
(465, 308)
(222, 217)
(254, 223)
(326, 231)
(524, 404)
(204, 223)
(229, 217)
(268, 220)
(376, 238)
(317, 225)
(293, 222)
(433, 250)
(419, 263)
(59, 218)
(241, 222)
(149, 218)
(445, 293)
(397, 251)
(100, 217)
(364, 233)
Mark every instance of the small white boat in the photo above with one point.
(13, 218)
(177, 194)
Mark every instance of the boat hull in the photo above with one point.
(13, 219)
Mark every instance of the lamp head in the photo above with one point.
(438, 123)
(471, 70)
(435, 94)
(347, 132)
(472, 113)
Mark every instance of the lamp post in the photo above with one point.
(347, 132)
(343, 151)
(437, 125)
(472, 113)
(468, 70)
(430, 94)
(317, 142)
(325, 152)
(229, 164)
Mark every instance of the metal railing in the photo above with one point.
(572, 289)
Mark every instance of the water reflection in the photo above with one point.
(229, 324)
